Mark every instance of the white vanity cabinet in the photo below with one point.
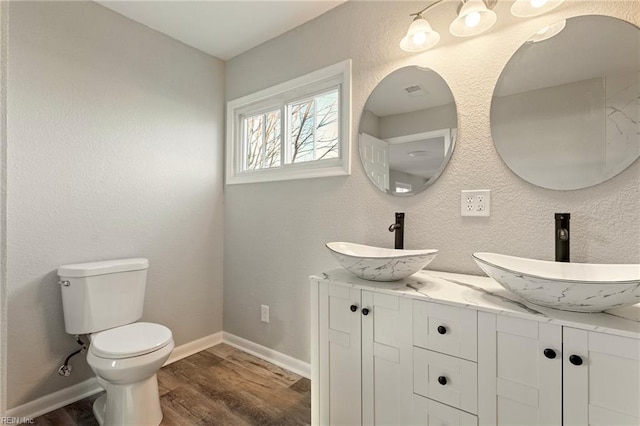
(450, 349)
(536, 373)
(364, 357)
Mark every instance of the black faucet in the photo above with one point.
(398, 227)
(562, 237)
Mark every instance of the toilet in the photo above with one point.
(105, 300)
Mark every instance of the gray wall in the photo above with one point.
(426, 120)
(114, 151)
(275, 232)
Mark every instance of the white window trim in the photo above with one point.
(340, 72)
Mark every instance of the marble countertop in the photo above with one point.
(484, 294)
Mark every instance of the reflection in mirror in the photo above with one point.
(407, 131)
(566, 109)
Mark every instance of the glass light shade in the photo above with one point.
(474, 18)
(420, 36)
(529, 8)
(549, 31)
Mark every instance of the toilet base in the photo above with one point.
(134, 404)
(99, 408)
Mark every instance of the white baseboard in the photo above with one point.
(281, 360)
(194, 347)
(55, 400)
(74, 393)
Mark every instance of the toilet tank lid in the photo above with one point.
(103, 267)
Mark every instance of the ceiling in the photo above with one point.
(390, 96)
(223, 29)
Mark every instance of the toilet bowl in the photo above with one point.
(125, 360)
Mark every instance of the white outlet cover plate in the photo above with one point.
(475, 202)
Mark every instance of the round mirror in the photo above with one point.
(407, 131)
(566, 110)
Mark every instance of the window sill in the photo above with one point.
(279, 175)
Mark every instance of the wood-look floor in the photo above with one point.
(218, 386)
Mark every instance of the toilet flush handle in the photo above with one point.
(64, 283)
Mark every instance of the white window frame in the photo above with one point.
(274, 97)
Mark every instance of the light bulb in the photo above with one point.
(472, 19)
(419, 38)
(538, 3)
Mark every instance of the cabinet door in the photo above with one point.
(339, 355)
(602, 386)
(386, 360)
(521, 384)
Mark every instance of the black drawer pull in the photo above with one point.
(353, 308)
(442, 380)
(442, 329)
(549, 353)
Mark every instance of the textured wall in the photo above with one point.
(275, 232)
(114, 150)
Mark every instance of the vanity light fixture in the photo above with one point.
(529, 8)
(473, 18)
(418, 153)
(548, 31)
(420, 36)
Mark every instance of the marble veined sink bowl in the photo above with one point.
(380, 264)
(578, 287)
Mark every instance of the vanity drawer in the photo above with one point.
(446, 329)
(447, 379)
(427, 412)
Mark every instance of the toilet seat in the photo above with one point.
(130, 340)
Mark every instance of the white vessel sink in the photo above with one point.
(380, 264)
(579, 287)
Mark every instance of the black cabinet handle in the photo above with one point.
(442, 380)
(549, 353)
(353, 308)
(575, 360)
(365, 311)
(442, 329)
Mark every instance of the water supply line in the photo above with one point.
(65, 369)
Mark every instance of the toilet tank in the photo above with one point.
(101, 295)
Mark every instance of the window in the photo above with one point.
(295, 130)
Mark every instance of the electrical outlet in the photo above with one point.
(475, 203)
(264, 313)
